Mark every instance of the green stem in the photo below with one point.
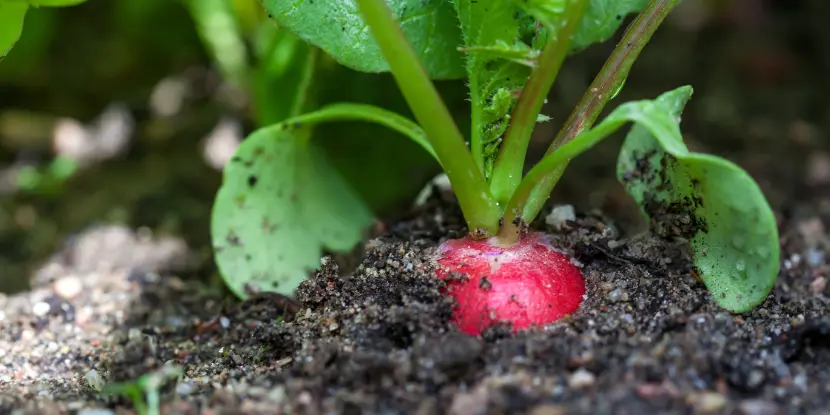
(476, 141)
(551, 164)
(345, 111)
(302, 97)
(599, 93)
(480, 209)
(509, 166)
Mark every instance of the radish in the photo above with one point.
(527, 284)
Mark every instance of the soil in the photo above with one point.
(647, 338)
(128, 289)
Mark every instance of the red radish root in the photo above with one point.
(527, 284)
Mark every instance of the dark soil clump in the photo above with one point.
(647, 338)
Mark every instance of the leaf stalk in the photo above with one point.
(480, 209)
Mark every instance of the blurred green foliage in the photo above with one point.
(74, 61)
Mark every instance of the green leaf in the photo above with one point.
(280, 204)
(336, 27)
(54, 3)
(497, 67)
(708, 200)
(12, 15)
(602, 19)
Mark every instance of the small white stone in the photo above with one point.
(440, 182)
(41, 309)
(758, 407)
(184, 388)
(95, 411)
(818, 285)
(581, 379)
(68, 287)
(560, 215)
(707, 402)
(277, 394)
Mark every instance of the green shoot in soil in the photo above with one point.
(144, 391)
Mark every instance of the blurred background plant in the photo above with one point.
(125, 112)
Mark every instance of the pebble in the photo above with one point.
(755, 378)
(304, 398)
(549, 409)
(95, 411)
(68, 287)
(277, 394)
(41, 309)
(818, 169)
(184, 388)
(651, 390)
(815, 257)
(470, 403)
(707, 402)
(757, 407)
(618, 295)
(581, 378)
(818, 285)
(560, 215)
(134, 334)
(800, 381)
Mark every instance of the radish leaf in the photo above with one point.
(12, 15)
(708, 200)
(337, 27)
(602, 19)
(53, 3)
(279, 205)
